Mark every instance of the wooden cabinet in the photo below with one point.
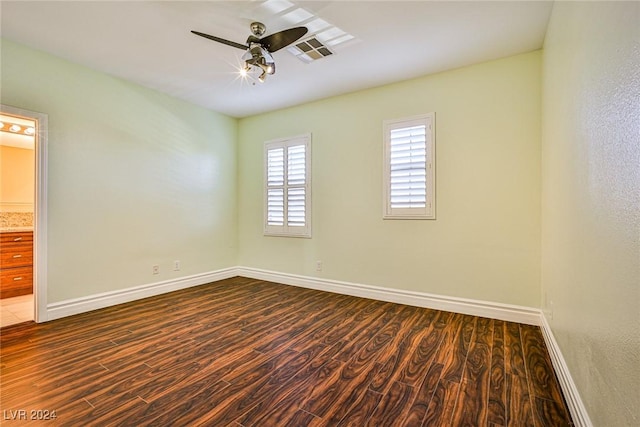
(16, 263)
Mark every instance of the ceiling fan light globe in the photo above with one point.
(262, 77)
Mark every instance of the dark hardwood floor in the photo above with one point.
(244, 352)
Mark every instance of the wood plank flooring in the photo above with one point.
(244, 352)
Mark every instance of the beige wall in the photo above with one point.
(591, 201)
(485, 241)
(135, 177)
(17, 180)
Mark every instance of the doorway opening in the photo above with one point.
(23, 139)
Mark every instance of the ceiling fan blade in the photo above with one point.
(277, 41)
(223, 41)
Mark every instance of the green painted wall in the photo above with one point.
(591, 201)
(136, 178)
(485, 242)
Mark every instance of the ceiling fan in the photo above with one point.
(259, 49)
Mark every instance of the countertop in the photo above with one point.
(15, 229)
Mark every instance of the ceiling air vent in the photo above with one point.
(310, 50)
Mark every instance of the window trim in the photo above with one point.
(429, 212)
(286, 230)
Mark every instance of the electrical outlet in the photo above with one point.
(176, 265)
(318, 265)
(156, 269)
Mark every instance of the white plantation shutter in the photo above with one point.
(409, 149)
(296, 178)
(287, 192)
(408, 159)
(275, 207)
(275, 186)
(296, 207)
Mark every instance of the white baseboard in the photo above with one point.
(577, 409)
(511, 313)
(70, 307)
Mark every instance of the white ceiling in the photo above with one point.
(149, 43)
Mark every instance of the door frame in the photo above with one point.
(40, 208)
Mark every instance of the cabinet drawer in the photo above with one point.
(8, 240)
(16, 281)
(17, 257)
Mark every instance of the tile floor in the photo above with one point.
(16, 310)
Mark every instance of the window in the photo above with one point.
(409, 168)
(288, 187)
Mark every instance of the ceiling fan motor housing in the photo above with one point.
(258, 29)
